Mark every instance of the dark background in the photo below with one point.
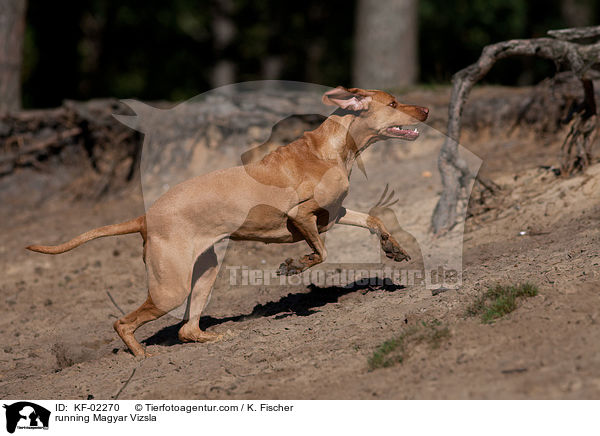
(157, 49)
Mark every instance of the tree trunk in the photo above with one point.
(385, 42)
(12, 31)
(224, 32)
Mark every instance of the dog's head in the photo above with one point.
(378, 112)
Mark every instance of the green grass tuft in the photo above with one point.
(499, 300)
(395, 350)
(388, 353)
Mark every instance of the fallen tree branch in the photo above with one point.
(35, 146)
(579, 58)
(81, 135)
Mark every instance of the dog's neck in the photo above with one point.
(342, 137)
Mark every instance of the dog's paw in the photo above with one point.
(144, 354)
(393, 250)
(288, 268)
(197, 335)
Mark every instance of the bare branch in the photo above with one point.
(576, 33)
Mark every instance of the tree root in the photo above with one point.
(575, 56)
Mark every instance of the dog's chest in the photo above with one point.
(331, 189)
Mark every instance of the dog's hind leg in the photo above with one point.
(204, 276)
(126, 326)
(169, 278)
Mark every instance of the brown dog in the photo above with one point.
(294, 193)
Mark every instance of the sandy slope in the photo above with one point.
(313, 342)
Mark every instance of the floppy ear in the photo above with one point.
(353, 99)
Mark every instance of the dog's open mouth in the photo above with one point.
(402, 132)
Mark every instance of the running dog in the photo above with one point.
(294, 193)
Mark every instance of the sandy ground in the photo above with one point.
(305, 341)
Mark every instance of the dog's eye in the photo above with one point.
(393, 105)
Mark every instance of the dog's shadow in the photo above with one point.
(299, 304)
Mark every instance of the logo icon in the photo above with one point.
(26, 415)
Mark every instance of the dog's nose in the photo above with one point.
(425, 112)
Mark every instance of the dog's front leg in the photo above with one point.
(389, 245)
(307, 226)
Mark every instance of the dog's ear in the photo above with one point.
(353, 99)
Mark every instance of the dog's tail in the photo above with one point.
(132, 226)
